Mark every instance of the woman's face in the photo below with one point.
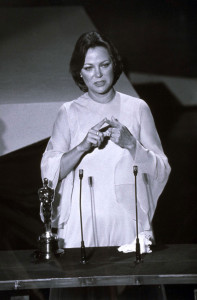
(97, 71)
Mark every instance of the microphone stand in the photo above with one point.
(83, 252)
(138, 254)
(94, 227)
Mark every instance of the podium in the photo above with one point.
(168, 264)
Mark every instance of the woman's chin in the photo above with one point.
(102, 90)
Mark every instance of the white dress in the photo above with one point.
(108, 206)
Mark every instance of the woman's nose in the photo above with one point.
(98, 73)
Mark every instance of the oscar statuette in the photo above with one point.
(48, 242)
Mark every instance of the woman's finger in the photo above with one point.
(95, 139)
(96, 133)
(100, 124)
(114, 123)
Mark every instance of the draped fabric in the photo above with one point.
(109, 206)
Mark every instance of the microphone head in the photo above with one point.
(80, 173)
(135, 170)
(90, 181)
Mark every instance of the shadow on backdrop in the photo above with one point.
(20, 179)
(2, 143)
(175, 217)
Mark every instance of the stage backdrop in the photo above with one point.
(35, 50)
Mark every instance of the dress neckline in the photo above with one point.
(109, 109)
(94, 103)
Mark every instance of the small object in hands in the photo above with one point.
(47, 242)
(107, 133)
(145, 239)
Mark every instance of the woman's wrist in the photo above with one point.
(80, 148)
(132, 144)
(132, 148)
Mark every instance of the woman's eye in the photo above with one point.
(105, 65)
(87, 68)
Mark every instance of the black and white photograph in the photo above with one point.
(98, 143)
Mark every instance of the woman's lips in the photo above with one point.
(100, 83)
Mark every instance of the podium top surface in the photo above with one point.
(168, 264)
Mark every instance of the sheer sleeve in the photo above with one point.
(153, 169)
(153, 164)
(149, 153)
(58, 144)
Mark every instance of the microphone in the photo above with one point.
(138, 254)
(83, 252)
(90, 181)
(94, 225)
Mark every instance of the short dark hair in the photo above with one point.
(88, 40)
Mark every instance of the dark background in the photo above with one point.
(154, 37)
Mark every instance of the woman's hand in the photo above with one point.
(70, 159)
(120, 134)
(94, 137)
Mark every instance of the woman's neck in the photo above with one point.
(102, 98)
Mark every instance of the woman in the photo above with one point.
(105, 133)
